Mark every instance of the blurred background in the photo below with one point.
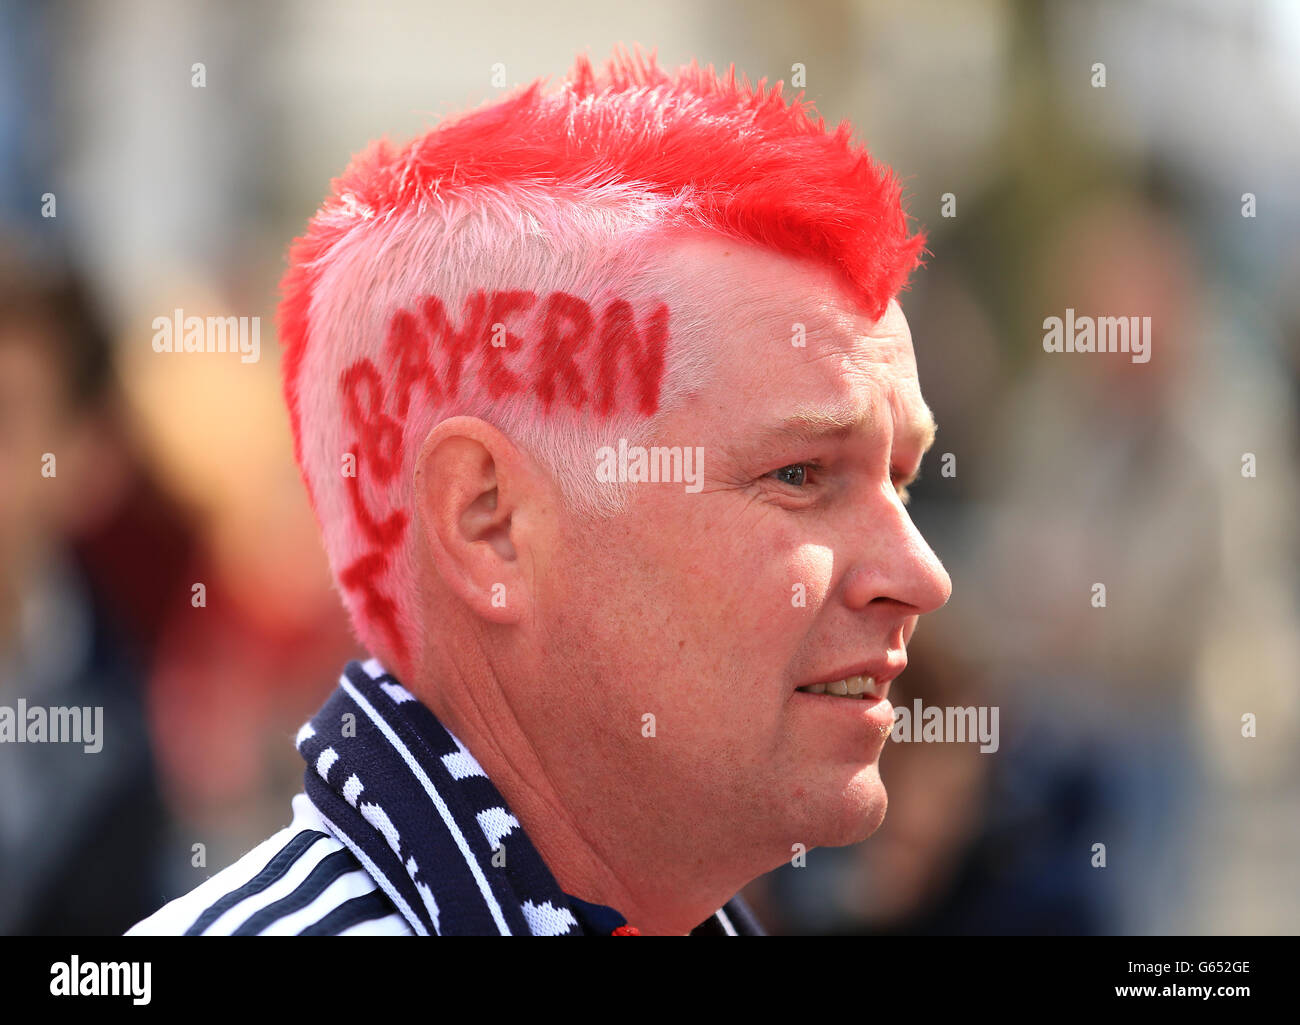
(156, 156)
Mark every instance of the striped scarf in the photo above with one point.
(420, 814)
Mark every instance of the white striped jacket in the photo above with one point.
(303, 881)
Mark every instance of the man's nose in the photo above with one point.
(896, 563)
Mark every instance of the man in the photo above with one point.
(606, 410)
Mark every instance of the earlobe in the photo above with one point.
(469, 483)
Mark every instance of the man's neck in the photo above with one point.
(498, 743)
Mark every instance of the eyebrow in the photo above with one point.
(837, 423)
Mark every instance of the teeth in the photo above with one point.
(859, 687)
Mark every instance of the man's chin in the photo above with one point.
(855, 813)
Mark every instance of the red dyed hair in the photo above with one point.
(733, 159)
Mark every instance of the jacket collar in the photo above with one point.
(420, 814)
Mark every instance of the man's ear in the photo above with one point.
(477, 497)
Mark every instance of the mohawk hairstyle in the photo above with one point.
(569, 189)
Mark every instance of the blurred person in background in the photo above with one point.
(1097, 466)
(80, 830)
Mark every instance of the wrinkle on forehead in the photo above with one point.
(854, 357)
(748, 306)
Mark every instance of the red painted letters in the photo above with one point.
(565, 330)
(620, 339)
(558, 348)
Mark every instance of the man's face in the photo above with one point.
(795, 564)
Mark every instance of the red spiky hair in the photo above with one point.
(757, 168)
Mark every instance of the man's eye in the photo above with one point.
(796, 474)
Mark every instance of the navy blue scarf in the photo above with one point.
(421, 815)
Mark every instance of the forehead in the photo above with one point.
(784, 341)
